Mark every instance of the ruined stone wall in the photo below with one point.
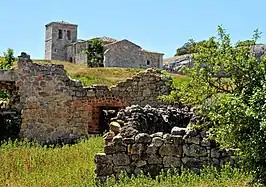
(47, 96)
(153, 153)
(55, 107)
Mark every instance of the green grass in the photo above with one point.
(22, 165)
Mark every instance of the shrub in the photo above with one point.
(229, 85)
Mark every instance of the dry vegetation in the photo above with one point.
(89, 76)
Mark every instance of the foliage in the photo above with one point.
(94, 53)
(5, 63)
(8, 59)
(229, 85)
(188, 47)
(26, 164)
(245, 43)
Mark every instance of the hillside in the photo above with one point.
(90, 76)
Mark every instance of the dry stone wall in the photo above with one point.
(54, 107)
(154, 153)
(136, 151)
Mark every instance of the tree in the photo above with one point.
(95, 53)
(6, 63)
(8, 59)
(228, 84)
(188, 47)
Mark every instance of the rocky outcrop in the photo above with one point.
(174, 64)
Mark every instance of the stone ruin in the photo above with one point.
(55, 108)
(153, 140)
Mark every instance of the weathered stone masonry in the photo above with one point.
(157, 152)
(54, 106)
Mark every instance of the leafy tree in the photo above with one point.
(6, 63)
(9, 58)
(188, 47)
(229, 85)
(245, 43)
(95, 53)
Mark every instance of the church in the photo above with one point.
(61, 43)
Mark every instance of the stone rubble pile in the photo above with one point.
(135, 119)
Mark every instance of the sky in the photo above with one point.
(155, 25)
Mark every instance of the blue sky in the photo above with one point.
(156, 25)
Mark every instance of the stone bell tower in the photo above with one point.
(57, 36)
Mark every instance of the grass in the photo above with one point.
(23, 165)
(104, 76)
(90, 76)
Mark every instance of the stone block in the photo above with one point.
(139, 163)
(115, 127)
(135, 157)
(157, 141)
(191, 132)
(176, 139)
(117, 140)
(152, 149)
(102, 158)
(154, 159)
(103, 169)
(137, 171)
(143, 138)
(178, 131)
(171, 161)
(153, 170)
(138, 149)
(128, 140)
(157, 134)
(167, 138)
(191, 162)
(111, 149)
(171, 150)
(194, 150)
(121, 159)
(192, 139)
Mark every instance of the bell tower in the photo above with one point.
(57, 36)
